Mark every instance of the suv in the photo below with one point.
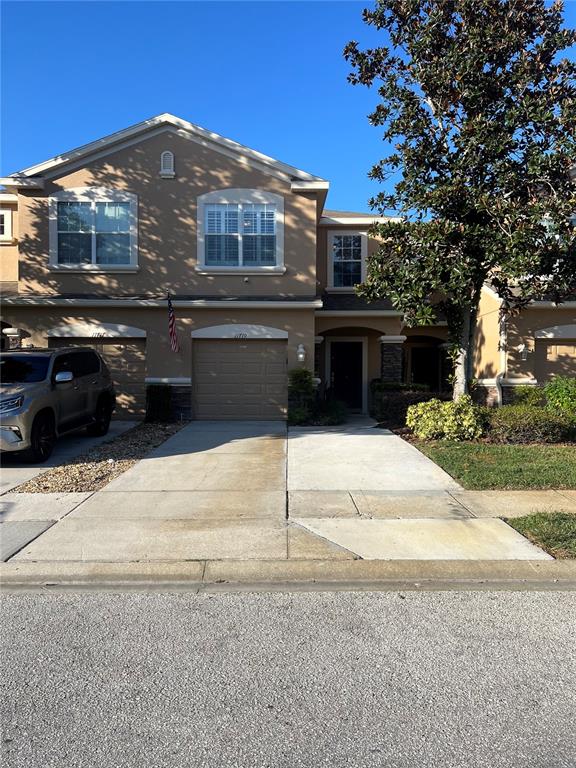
(46, 392)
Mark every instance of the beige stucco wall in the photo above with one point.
(161, 361)
(9, 254)
(486, 351)
(167, 225)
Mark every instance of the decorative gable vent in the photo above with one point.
(167, 165)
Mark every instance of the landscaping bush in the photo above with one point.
(305, 406)
(528, 395)
(529, 424)
(561, 395)
(454, 420)
(390, 400)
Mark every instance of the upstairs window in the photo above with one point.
(93, 229)
(240, 229)
(241, 234)
(5, 224)
(347, 253)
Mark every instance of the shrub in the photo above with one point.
(437, 420)
(528, 424)
(527, 395)
(390, 400)
(561, 395)
(158, 403)
(304, 405)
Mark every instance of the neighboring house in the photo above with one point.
(261, 278)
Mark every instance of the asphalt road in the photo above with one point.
(367, 679)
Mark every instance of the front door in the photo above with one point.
(346, 380)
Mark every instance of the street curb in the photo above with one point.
(296, 575)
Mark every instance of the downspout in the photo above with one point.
(502, 344)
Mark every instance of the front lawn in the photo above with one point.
(482, 466)
(554, 532)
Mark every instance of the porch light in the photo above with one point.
(301, 353)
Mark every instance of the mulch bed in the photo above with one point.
(98, 466)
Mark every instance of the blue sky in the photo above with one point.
(267, 74)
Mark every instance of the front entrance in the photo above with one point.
(346, 372)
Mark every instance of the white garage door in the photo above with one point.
(239, 379)
(126, 361)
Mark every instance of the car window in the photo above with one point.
(19, 369)
(89, 362)
(68, 362)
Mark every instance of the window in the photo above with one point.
(5, 224)
(167, 165)
(93, 229)
(240, 230)
(347, 253)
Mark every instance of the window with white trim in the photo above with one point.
(240, 229)
(5, 224)
(167, 165)
(347, 254)
(93, 229)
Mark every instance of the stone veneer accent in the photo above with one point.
(391, 358)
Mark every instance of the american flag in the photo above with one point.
(174, 346)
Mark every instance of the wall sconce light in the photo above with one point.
(523, 349)
(301, 353)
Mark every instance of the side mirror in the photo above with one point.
(63, 377)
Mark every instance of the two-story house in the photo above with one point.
(260, 274)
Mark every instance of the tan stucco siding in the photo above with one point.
(9, 254)
(167, 225)
(486, 348)
(161, 362)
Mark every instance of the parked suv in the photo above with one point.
(46, 392)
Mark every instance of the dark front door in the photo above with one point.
(426, 367)
(346, 373)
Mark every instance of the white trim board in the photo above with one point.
(557, 332)
(225, 304)
(239, 331)
(364, 342)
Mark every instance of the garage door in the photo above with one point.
(126, 361)
(554, 358)
(239, 379)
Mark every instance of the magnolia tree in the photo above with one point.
(479, 108)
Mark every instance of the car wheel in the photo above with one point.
(102, 418)
(42, 438)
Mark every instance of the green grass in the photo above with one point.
(482, 466)
(553, 531)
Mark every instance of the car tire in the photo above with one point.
(102, 417)
(42, 438)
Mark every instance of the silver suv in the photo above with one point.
(46, 392)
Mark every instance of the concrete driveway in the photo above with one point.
(232, 491)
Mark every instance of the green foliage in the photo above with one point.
(478, 108)
(527, 395)
(529, 424)
(553, 531)
(159, 403)
(377, 386)
(454, 420)
(481, 465)
(305, 408)
(298, 415)
(561, 395)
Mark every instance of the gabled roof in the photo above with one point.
(33, 175)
